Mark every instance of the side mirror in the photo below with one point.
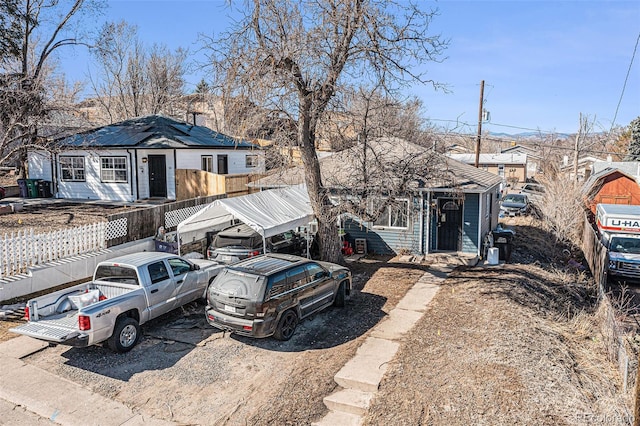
(195, 267)
(321, 274)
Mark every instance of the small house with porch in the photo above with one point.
(146, 157)
(451, 213)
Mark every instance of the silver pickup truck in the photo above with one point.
(125, 292)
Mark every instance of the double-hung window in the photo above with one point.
(206, 163)
(72, 168)
(113, 169)
(394, 215)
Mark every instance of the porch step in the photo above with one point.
(338, 418)
(349, 401)
(365, 370)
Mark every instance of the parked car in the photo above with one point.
(268, 295)
(514, 205)
(241, 241)
(534, 191)
(125, 292)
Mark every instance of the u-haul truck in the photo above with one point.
(619, 227)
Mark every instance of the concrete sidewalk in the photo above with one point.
(55, 398)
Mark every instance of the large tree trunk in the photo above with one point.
(328, 238)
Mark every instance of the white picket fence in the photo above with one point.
(21, 250)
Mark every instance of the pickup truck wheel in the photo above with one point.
(341, 296)
(286, 326)
(125, 335)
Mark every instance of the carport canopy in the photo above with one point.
(268, 212)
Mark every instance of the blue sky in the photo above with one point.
(543, 62)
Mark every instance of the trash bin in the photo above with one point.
(24, 191)
(44, 189)
(32, 188)
(503, 240)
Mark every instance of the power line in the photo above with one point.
(624, 86)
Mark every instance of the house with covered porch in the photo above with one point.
(451, 213)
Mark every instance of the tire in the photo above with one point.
(125, 335)
(341, 296)
(286, 326)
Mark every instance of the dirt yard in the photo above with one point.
(60, 215)
(514, 344)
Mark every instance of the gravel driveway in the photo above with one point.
(188, 372)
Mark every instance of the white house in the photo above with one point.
(138, 159)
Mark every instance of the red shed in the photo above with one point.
(611, 186)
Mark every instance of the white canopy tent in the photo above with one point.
(268, 213)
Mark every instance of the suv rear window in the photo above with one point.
(240, 284)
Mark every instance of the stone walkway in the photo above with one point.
(360, 378)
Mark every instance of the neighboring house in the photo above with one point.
(610, 186)
(534, 160)
(631, 168)
(585, 165)
(510, 166)
(147, 157)
(453, 212)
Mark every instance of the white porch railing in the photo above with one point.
(21, 250)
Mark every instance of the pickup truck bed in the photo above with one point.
(58, 320)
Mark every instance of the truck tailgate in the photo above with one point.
(56, 328)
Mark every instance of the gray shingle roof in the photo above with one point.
(155, 132)
(337, 170)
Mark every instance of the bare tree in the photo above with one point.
(31, 32)
(298, 54)
(133, 80)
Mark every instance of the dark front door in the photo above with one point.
(449, 224)
(223, 165)
(157, 176)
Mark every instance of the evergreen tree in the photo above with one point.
(203, 87)
(633, 154)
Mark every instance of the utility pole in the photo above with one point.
(479, 123)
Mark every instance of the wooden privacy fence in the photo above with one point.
(24, 249)
(191, 183)
(144, 223)
(595, 254)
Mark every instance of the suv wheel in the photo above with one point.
(286, 326)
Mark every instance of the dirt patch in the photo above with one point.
(516, 344)
(60, 215)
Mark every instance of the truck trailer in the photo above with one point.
(619, 228)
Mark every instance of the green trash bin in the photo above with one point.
(32, 187)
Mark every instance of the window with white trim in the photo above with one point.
(501, 170)
(113, 169)
(395, 215)
(206, 163)
(251, 160)
(72, 168)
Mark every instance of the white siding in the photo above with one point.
(143, 172)
(39, 164)
(93, 188)
(191, 159)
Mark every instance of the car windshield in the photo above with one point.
(625, 245)
(514, 198)
(246, 242)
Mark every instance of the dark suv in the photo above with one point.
(268, 295)
(241, 241)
